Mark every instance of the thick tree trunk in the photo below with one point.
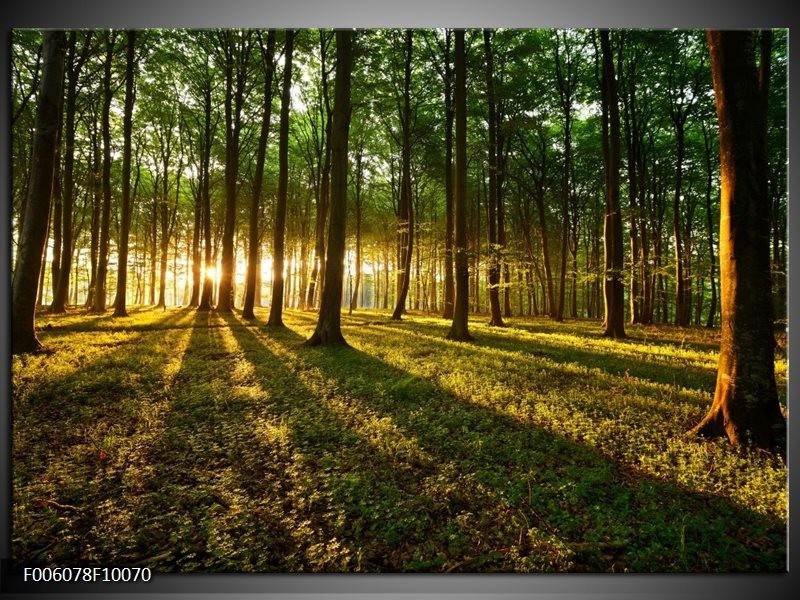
(37, 206)
(279, 236)
(614, 291)
(745, 406)
(328, 331)
(459, 329)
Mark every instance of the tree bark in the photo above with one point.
(359, 178)
(279, 235)
(406, 209)
(712, 311)
(745, 406)
(449, 284)
(614, 291)
(95, 169)
(205, 196)
(37, 206)
(459, 329)
(120, 309)
(328, 331)
(236, 57)
(496, 318)
(105, 215)
(323, 198)
(253, 263)
(566, 83)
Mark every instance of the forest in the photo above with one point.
(431, 300)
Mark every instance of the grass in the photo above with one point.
(199, 442)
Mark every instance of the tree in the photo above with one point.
(712, 311)
(449, 285)
(459, 330)
(276, 310)
(75, 61)
(105, 212)
(566, 77)
(358, 201)
(405, 215)
(253, 262)
(745, 406)
(236, 52)
(682, 101)
(124, 232)
(37, 206)
(614, 291)
(328, 331)
(494, 198)
(206, 139)
(322, 158)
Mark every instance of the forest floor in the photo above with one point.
(189, 441)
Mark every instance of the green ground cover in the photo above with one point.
(189, 441)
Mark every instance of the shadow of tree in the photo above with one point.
(252, 453)
(601, 512)
(76, 436)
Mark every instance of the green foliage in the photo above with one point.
(193, 442)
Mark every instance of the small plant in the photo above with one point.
(206, 443)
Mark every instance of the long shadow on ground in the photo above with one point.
(263, 455)
(511, 495)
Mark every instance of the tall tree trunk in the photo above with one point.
(614, 291)
(120, 309)
(681, 313)
(449, 285)
(197, 268)
(566, 82)
(646, 310)
(712, 311)
(37, 206)
(631, 137)
(323, 200)
(745, 406)
(154, 242)
(328, 331)
(95, 169)
(105, 217)
(406, 209)
(236, 58)
(359, 178)
(459, 330)
(253, 264)
(57, 212)
(548, 271)
(491, 203)
(205, 198)
(276, 309)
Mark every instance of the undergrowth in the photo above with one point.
(191, 441)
